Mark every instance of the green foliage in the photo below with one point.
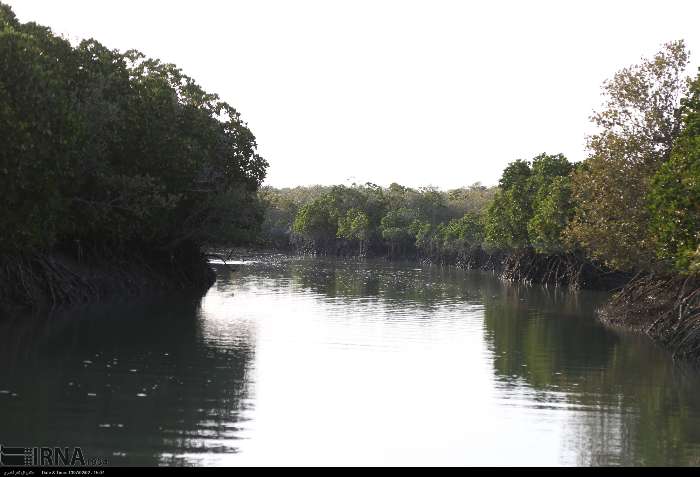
(396, 219)
(396, 226)
(637, 127)
(354, 225)
(116, 149)
(279, 213)
(472, 199)
(461, 235)
(7, 17)
(532, 206)
(318, 220)
(506, 220)
(546, 169)
(432, 205)
(674, 198)
(424, 234)
(551, 216)
(515, 175)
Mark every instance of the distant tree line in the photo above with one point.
(632, 205)
(109, 152)
(368, 219)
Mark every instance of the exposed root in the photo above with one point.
(665, 308)
(47, 281)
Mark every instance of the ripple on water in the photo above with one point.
(298, 360)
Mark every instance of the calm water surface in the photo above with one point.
(305, 361)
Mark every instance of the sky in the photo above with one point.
(440, 93)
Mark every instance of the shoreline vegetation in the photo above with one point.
(428, 227)
(123, 177)
(115, 170)
(626, 219)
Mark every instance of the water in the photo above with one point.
(292, 361)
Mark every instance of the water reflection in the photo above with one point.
(628, 403)
(313, 361)
(137, 383)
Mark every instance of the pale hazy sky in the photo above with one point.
(440, 93)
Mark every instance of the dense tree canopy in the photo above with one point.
(396, 220)
(637, 127)
(674, 199)
(115, 149)
(532, 206)
(530, 209)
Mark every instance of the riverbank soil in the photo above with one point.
(57, 279)
(665, 308)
